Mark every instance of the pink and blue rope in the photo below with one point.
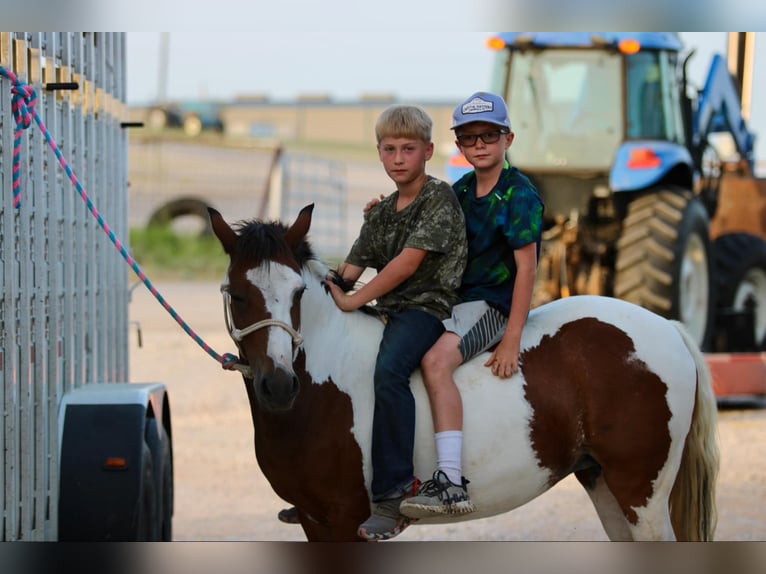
(23, 107)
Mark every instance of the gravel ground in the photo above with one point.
(221, 495)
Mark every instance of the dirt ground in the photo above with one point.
(221, 495)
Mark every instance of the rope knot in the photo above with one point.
(23, 103)
(23, 100)
(229, 361)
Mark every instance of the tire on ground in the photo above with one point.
(157, 118)
(741, 281)
(664, 259)
(164, 215)
(192, 125)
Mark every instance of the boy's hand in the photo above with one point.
(372, 203)
(343, 300)
(504, 360)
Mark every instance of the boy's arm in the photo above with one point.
(397, 271)
(350, 272)
(505, 358)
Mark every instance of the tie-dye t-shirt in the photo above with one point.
(508, 218)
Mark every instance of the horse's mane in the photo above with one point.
(261, 241)
(264, 241)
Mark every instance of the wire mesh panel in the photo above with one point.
(63, 312)
(307, 179)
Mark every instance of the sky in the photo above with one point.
(341, 64)
(442, 65)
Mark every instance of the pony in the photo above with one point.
(607, 390)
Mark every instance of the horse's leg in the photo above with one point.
(612, 491)
(608, 510)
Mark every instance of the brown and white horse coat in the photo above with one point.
(607, 390)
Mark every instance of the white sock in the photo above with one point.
(449, 446)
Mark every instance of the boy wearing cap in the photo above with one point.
(415, 239)
(503, 215)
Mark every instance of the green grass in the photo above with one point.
(164, 254)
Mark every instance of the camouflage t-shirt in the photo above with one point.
(432, 222)
(508, 218)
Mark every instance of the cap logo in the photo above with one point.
(477, 106)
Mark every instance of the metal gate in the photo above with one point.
(300, 179)
(64, 306)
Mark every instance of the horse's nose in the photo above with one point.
(280, 388)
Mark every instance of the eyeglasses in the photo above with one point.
(469, 140)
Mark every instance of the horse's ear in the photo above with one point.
(300, 227)
(225, 234)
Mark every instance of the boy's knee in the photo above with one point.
(430, 363)
(435, 365)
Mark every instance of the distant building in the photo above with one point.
(316, 117)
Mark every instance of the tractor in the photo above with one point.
(634, 166)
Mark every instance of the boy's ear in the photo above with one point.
(429, 150)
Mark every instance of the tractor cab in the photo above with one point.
(575, 98)
(573, 104)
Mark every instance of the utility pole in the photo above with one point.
(740, 51)
(162, 80)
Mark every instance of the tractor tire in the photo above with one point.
(664, 260)
(192, 207)
(741, 282)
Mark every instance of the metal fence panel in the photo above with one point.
(63, 312)
(307, 179)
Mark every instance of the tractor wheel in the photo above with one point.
(664, 259)
(741, 284)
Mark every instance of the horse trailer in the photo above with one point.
(85, 455)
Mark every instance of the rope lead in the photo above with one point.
(23, 108)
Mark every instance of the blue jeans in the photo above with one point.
(406, 338)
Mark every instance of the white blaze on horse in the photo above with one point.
(607, 390)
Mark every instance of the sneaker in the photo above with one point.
(385, 522)
(437, 497)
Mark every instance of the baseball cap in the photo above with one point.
(481, 107)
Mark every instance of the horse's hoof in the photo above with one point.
(289, 515)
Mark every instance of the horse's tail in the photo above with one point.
(692, 500)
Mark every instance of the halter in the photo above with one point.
(239, 334)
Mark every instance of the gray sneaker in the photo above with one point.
(438, 497)
(385, 522)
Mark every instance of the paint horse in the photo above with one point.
(607, 390)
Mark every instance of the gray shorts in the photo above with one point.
(478, 325)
